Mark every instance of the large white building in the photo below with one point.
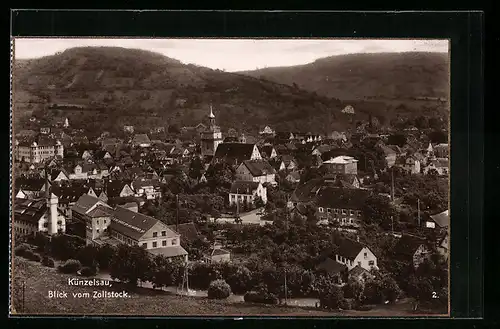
(37, 152)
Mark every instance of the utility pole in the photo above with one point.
(418, 212)
(237, 219)
(392, 184)
(392, 224)
(285, 289)
(24, 287)
(177, 214)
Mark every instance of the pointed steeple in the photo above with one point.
(211, 115)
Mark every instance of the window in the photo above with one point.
(163, 233)
(328, 210)
(59, 222)
(359, 264)
(343, 212)
(320, 209)
(97, 230)
(164, 243)
(145, 245)
(155, 234)
(45, 224)
(155, 244)
(366, 255)
(371, 263)
(97, 221)
(174, 242)
(336, 211)
(351, 212)
(358, 213)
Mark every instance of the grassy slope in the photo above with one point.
(144, 88)
(39, 280)
(361, 76)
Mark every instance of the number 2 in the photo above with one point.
(434, 295)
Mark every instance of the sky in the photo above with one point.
(235, 54)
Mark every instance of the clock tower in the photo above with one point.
(211, 137)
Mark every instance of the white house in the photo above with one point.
(352, 253)
(256, 171)
(247, 192)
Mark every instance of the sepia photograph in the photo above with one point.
(230, 177)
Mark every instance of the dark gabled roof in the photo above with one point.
(219, 252)
(100, 211)
(307, 191)
(69, 193)
(84, 203)
(236, 151)
(114, 187)
(231, 139)
(349, 248)
(331, 266)
(243, 187)
(139, 183)
(323, 148)
(358, 271)
(188, 231)
(259, 167)
(442, 219)
(408, 244)
(29, 184)
(55, 172)
(141, 139)
(134, 224)
(171, 251)
(334, 197)
(29, 211)
(266, 150)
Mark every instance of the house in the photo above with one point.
(128, 129)
(290, 162)
(242, 192)
(293, 177)
(188, 231)
(148, 188)
(218, 255)
(321, 149)
(118, 189)
(102, 155)
(341, 165)
(442, 150)
(411, 249)
(236, 153)
(353, 253)
(348, 109)
(266, 131)
(410, 164)
(256, 171)
(341, 206)
(390, 155)
(87, 154)
(438, 166)
(277, 164)
(268, 152)
(37, 152)
(68, 195)
(32, 216)
(343, 180)
(360, 274)
(338, 270)
(440, 221)
(444, 246)
(105, 225)
(29, 187)
(45, 130)
(141, 140)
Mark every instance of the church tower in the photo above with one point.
(52, 202)
(211, 137)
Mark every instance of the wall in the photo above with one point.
(149, 237)
(365, 261)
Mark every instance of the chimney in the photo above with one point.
(357, 238)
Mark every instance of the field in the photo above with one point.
(39, 280)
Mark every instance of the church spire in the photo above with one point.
(211, 115)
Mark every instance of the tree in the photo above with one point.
(165, 272)
(420, 289)
(218, 289)
(331, 296)
(105, 254)
(397, 139)
(195, 168)
(130, 264)
(378, 209)
(238, 277)
(354, 289)
(88, 255)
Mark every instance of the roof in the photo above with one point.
(172, 251)
(358, 271)
(114, 187)
(294, 175)
(323, 148)
(349, 248)
(29, 184)
(266, 150)
(139, 183)
(307, 191)
(134, 224)
(440, 163)
(408, 244)
(236, 151)
(342, 159)
(259, 167)
(442, 219)
(331, 266)
(69, 193)
(100, 211)
(29, 210)
(219, 252)
(188, 231)
(84, 203)
(346, 198)
(141, 139)
(244, 187)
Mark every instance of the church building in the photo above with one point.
(211, 137)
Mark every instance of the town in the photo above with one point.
(348, 219)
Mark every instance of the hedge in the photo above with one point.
(22, 249)
(88, 271)
(47, 261)
(70, 266)
(260, 297)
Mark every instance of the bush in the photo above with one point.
(331, 297)
(47, 261)
(219, 289)
(260, 297)
(88, 271)
(346, 304)
(22, 249)
(70, 266)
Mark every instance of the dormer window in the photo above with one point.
(320, 209)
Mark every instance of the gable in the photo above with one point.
(158, 228)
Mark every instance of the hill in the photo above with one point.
(380, 76)
(103, 88)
